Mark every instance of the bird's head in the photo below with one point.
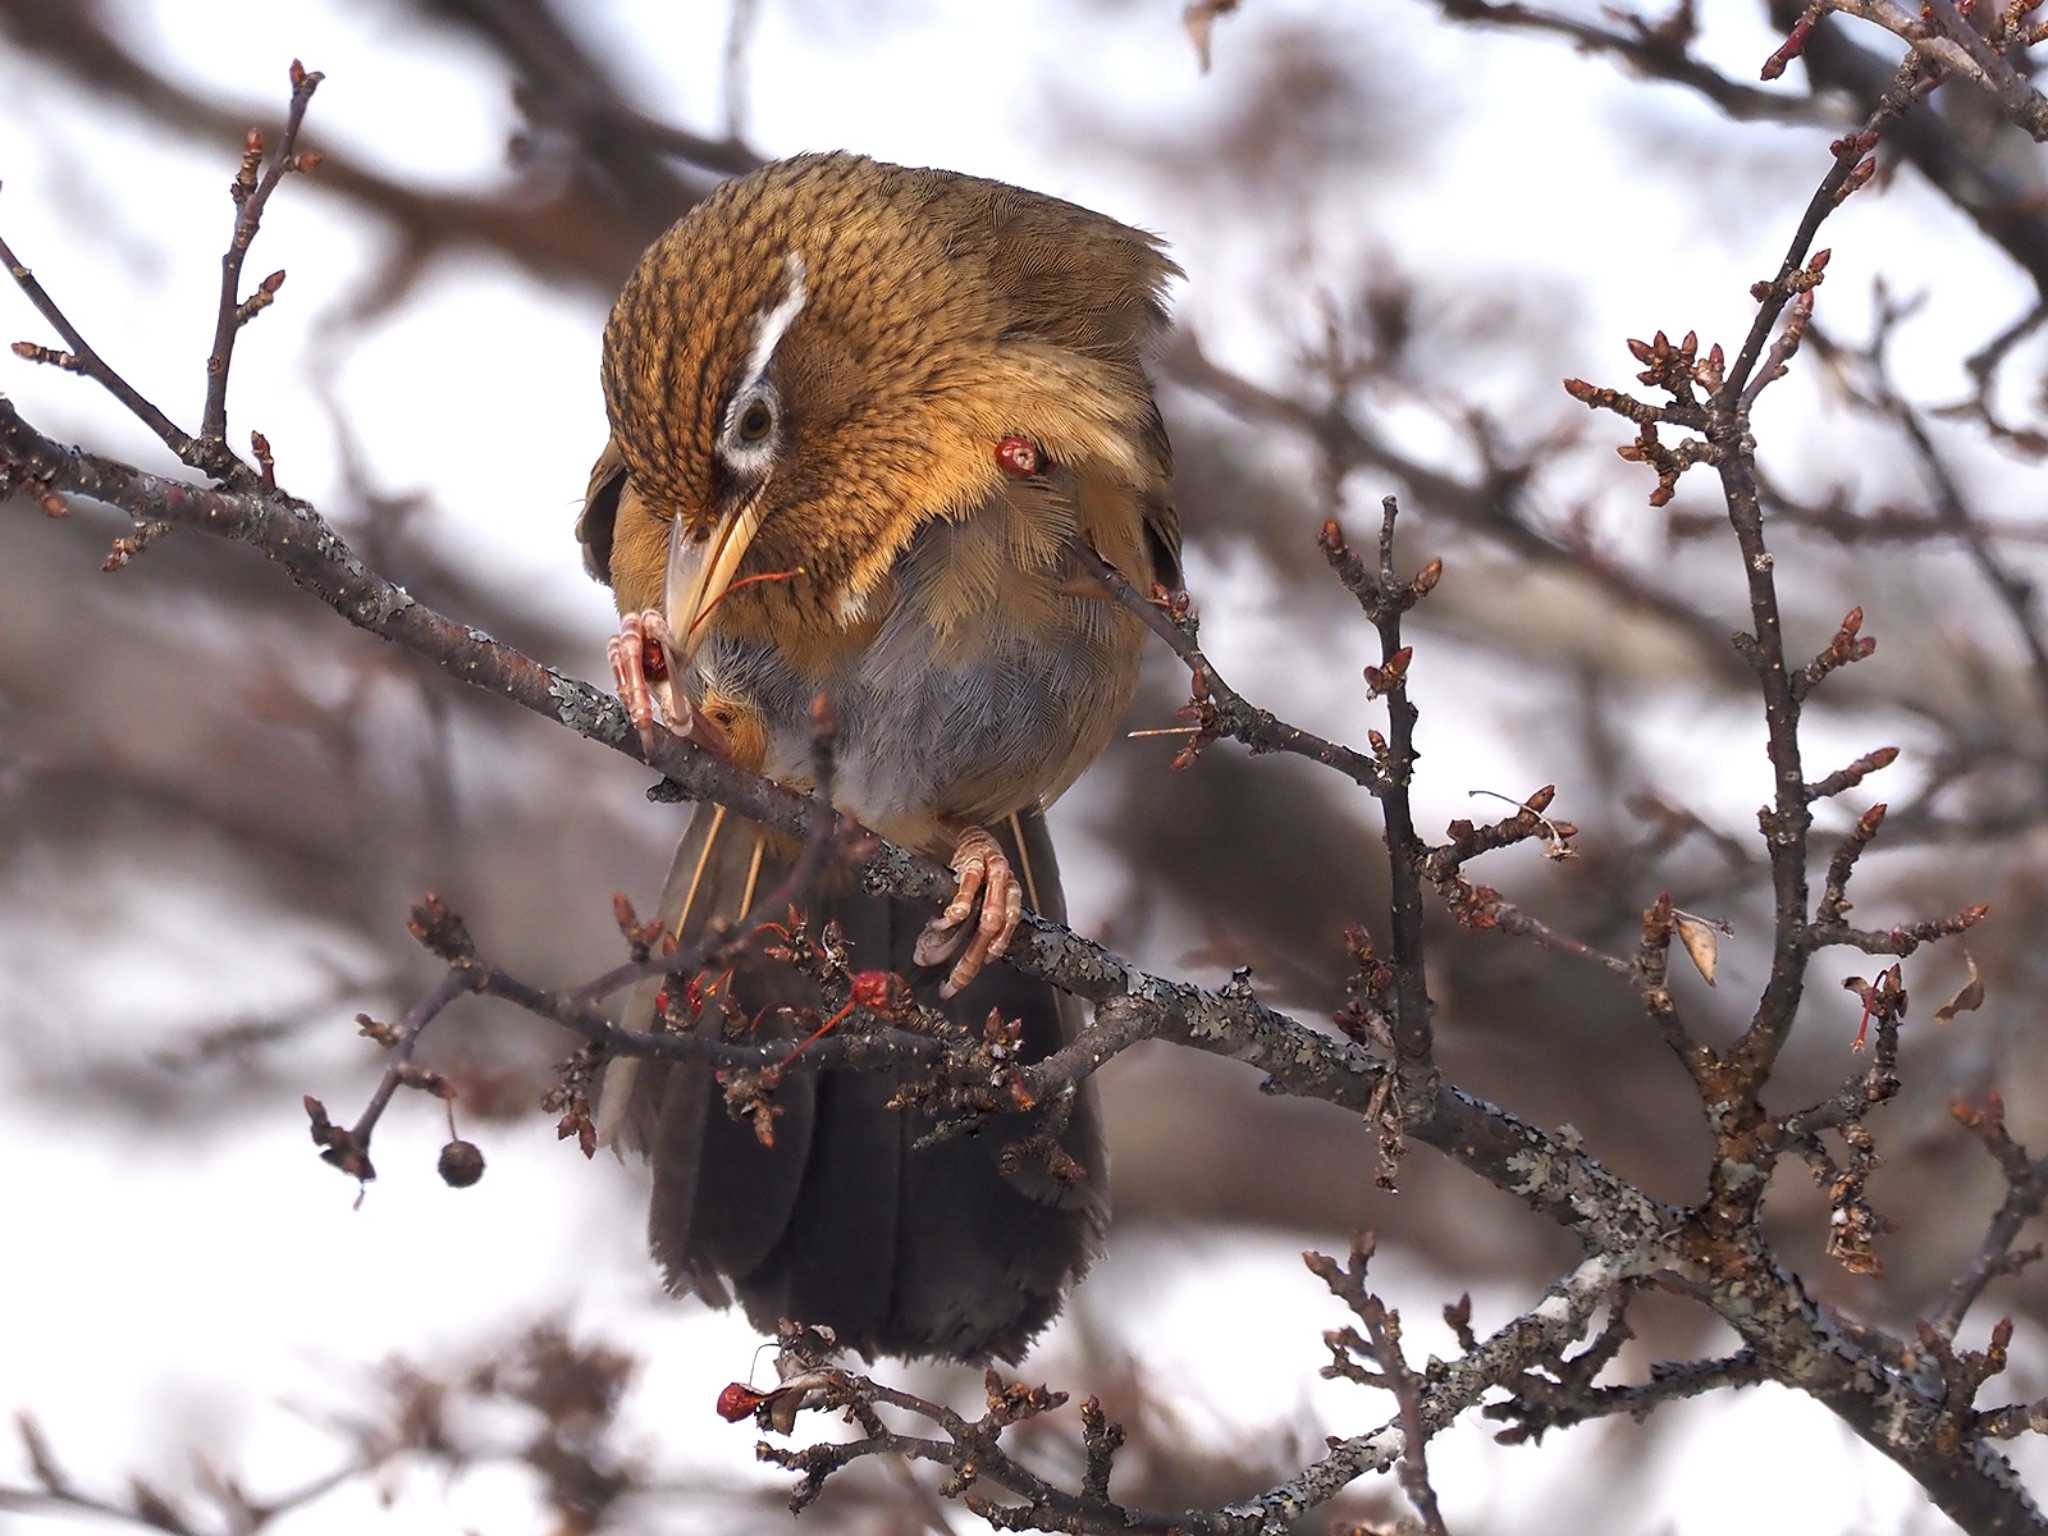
(825, 355)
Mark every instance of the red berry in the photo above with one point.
(1018, 457)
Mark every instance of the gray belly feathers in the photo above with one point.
(926, 720)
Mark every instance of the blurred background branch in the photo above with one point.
(1403, 227)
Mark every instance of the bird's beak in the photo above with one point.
(700, 572)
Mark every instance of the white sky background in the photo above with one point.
(160, 1296)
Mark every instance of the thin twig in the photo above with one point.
(1385, 597)
(1223, 710)
(95, 367)
(2026, 1196)
(251, 194)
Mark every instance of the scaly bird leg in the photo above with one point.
(639, 655)
(984, 871)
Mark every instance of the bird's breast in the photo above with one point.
(943, 718)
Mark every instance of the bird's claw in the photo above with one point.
(640, 656)
(982, 871)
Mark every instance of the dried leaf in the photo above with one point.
(1200, 20)
(738, 1401)
(1969, 1000)
(1701, 942)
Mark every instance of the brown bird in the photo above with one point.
(863, 420)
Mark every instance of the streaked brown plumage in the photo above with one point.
(920, 393)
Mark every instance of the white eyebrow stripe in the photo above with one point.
(769, 330)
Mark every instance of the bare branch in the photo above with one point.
(1659, 50)
(251, 192)
(1218, 709)
(2026, 1196)
(1382, 1344)
(84, 360)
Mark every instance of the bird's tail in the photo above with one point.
(841, 1221)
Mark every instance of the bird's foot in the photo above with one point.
(639, 655)
(983, 871)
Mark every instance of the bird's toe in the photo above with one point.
(986, 881)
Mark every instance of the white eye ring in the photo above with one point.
(750, 438)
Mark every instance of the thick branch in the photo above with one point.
(1741, 1281)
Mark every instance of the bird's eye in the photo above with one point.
(756, 422)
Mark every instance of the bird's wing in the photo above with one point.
(1093, 286)
(1161, 517)
(624, 544)
(598, 520)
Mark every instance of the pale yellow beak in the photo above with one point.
(700, 572)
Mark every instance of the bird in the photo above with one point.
(866, 423)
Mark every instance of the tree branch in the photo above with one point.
(1717, 1254)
